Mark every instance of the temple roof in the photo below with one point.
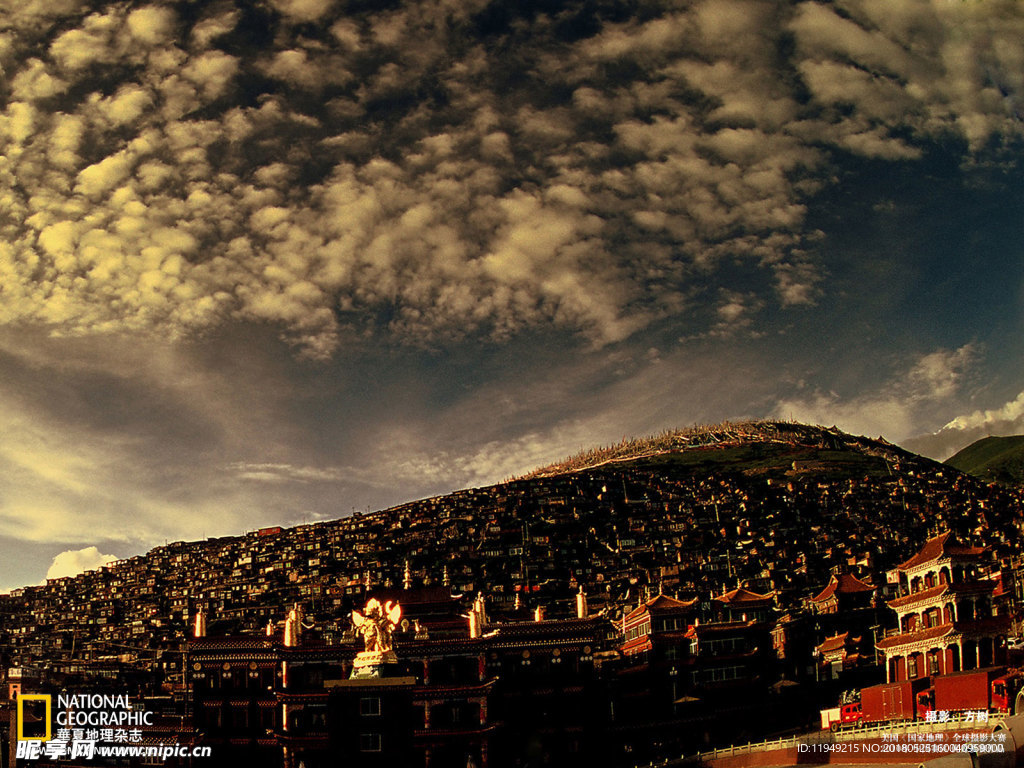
(713, 627)
(933, 633)
(964, 588)
(844, 584)
(943, 545)
(741, 596)
(568, 627)
(976, 628)
(662, 604)
(833, 643)
(924, 594)
(232, 642)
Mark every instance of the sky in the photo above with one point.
(272, 262)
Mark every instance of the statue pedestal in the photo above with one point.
(372, 664)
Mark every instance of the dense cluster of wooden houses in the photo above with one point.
(627, 607)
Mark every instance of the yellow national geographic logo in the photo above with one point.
(35, 712)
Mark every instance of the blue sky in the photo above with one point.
(264, 263)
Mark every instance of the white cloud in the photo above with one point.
(105, 175)
(35, 81)
(1011, 412)
(212, 72)
(151, 25)
(73, 471)
(72, 562)
(937, 375)
(281, 473)
(303, 10)
(209, 28)
(963, 430)
(736, 312)
(127, 105)
(593, 186)
(897, 408)
(91, 43)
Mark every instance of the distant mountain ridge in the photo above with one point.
(993, 459)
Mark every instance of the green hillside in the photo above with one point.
(993, 459)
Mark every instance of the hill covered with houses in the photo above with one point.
(769, 506)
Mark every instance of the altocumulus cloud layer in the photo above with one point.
(567, 222)
(435, 169)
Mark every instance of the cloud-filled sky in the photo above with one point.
(268, 262)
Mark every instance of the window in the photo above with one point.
(369, 742)
(369, 706)
(933, 664)
(719, 674)
(724, 645)
(912, 668)
(317, 718)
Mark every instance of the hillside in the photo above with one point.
(993, 459)
(686, 445)
(772, 506)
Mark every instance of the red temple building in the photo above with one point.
(741, 604)
(946, 621)
(658, 625)
(485, 693)
(844, 592)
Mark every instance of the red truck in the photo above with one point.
(881, 703)
(992, 688)
(1005, 690)
(891, 701)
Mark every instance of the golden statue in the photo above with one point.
(376, 624)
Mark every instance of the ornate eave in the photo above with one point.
(934, 564)
(923, 645)
(946, 633)
(927, 635)
(915, 600)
